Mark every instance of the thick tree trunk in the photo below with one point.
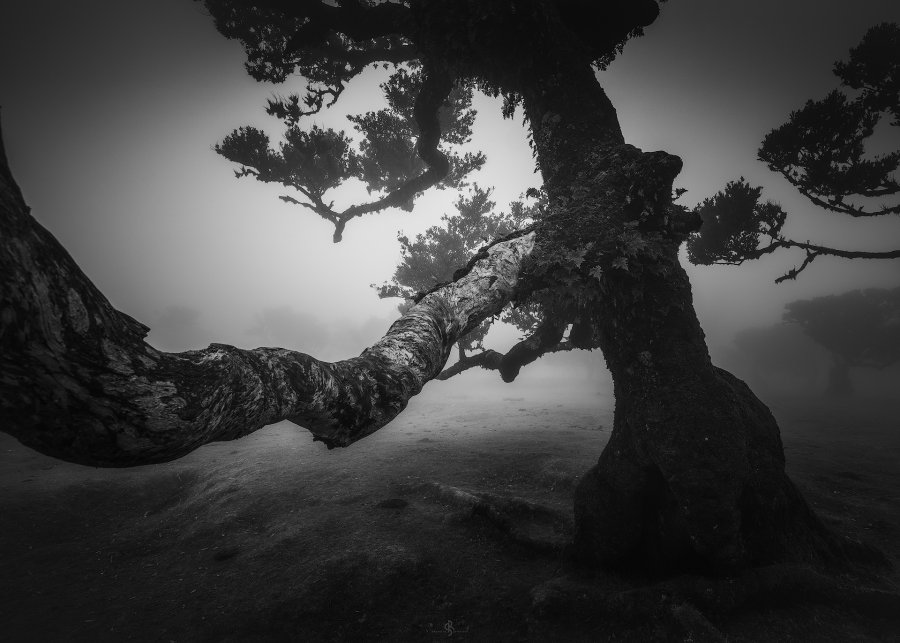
(693, 475)
(78, 382)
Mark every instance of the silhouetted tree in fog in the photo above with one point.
(860, 328)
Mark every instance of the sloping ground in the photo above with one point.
(438, 527)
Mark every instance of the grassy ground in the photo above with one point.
(275, 538)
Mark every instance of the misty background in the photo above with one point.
(111, 109)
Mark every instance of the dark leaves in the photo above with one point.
(734, 221)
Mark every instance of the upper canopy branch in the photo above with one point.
(358, 20)
(492, 360)
(316, 161)
(736, 222)
(436, 87)
(327, 43)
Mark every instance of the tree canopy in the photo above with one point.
(822, 151)
(693, 475)
(412, 144)
(860, 327)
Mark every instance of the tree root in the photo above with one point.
(535, 527)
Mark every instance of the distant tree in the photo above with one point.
(860, 328)
(779, 357)
(821, 151)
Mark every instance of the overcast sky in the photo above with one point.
(111, 108)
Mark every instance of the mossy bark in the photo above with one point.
(77, 380)
(693, 476)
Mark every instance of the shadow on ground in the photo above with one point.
(438, 527)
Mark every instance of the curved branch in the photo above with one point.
(78, 382)
(837, 204)
(436, 87)
(813, 251)
(546, 335)
(488, 359)
(353, 19)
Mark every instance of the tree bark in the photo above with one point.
(78, 382)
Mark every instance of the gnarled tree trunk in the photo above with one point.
(693, 475)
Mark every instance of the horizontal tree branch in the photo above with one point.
(492, 360)
(838, 205)
(78, 382)
(813, 251)
(353, 19)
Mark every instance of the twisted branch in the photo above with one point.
(78, 382)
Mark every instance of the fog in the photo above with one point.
(110, 112)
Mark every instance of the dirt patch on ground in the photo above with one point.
(273, 537)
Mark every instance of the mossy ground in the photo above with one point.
(273, 537)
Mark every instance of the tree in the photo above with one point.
(693, 475)
(778, 358)
(860, 328)
(821, 151)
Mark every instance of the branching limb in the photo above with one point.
(78, 382)
(317, 161)
(436, 87)
(813, 251)
(547, 335)
(492, 360)
(488, 359)
(533, 526)
(357, 20)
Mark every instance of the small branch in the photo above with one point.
(353, 19)
(78, 382)
(488, 359)
(814, 251)
(436, 87)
